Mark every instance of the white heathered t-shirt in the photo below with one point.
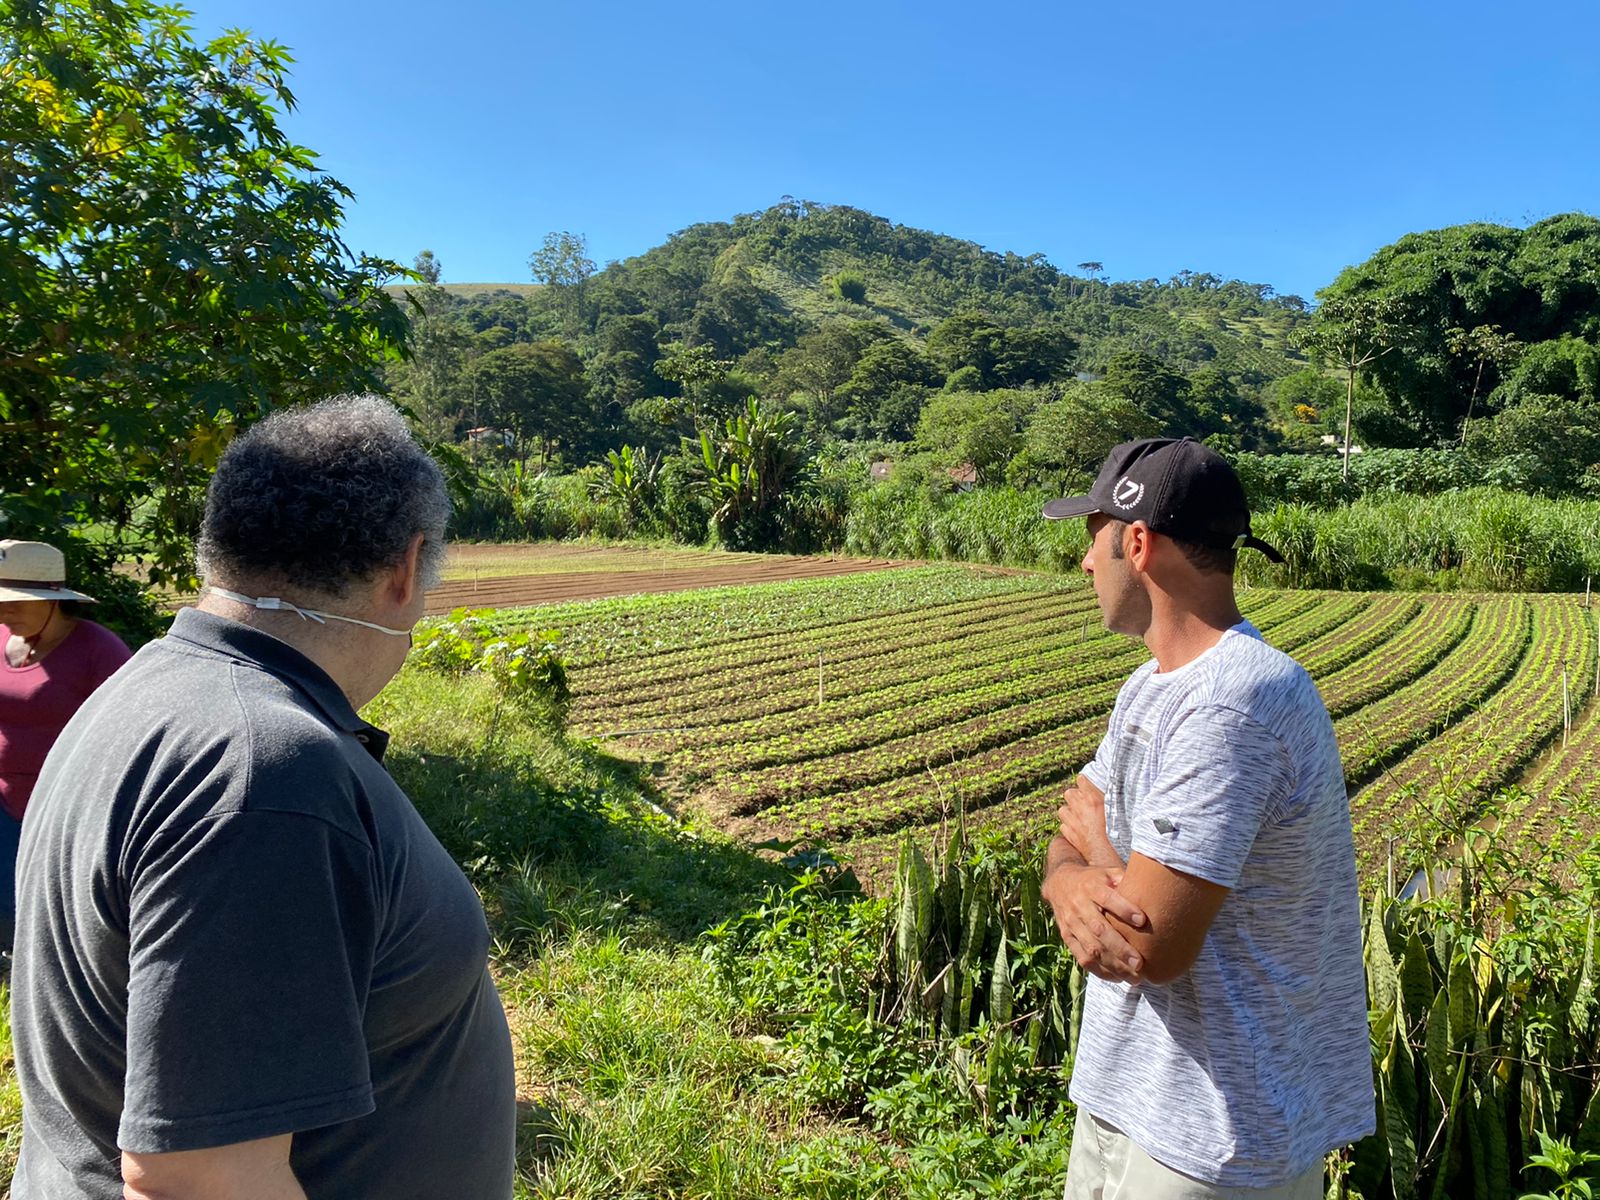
(1256, 1063)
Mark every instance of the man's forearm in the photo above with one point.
(1062, 853)
(256, 1170)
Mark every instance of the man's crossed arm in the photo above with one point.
(1136, 921)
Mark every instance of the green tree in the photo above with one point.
(428, 383)
(1565, 367)
(968, 339)
(1219, 410)
(818, 367)
(983, 429)
(874, 394)
(699, 374)
(562, 264)
(562, 260)
(1352, 332)
(850, 286)
(428, 269)
(1535, 284)
(1149, 385)
(1559, 435)
(1003, 358)
(622, 372)
(538, 391)
(1066, 440)
(1484, 346)
(170, 270)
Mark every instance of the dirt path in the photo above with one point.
(515, 591)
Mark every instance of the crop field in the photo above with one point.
(847, 710)
(501, 575)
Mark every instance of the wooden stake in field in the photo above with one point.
(1084, 632)
(819, 678)
(1587, 580)
(1566, 709)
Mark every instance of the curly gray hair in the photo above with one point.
(324, 496)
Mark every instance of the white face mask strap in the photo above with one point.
(274, 603)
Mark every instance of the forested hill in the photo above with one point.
(763, 280)
(847, 319)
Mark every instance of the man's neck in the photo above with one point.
(1180, 634)
(317, 642)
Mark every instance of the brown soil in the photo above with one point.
(519, 591)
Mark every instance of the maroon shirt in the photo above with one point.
(37, 701)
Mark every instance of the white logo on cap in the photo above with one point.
(1127, 493)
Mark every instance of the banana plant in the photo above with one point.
(632, 481)
(752, 465)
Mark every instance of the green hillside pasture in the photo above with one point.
(846, 711)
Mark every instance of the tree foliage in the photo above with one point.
(535, 389)
(1354, 332)
(1534, 285)
(170, 268)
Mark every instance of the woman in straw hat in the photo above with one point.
(53, 661)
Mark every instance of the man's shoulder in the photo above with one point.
(190, 727)
(1245, 668)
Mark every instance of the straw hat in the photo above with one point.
(34, 571)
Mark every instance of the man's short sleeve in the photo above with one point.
(1222, 775)
(1098, 769)
(251, 943)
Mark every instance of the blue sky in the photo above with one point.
(1271, 142)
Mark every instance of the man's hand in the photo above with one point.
(257, 1170)
(1081, 896)
(1083, 824)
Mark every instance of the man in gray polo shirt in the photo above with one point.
(244, 965)
(1205, 873)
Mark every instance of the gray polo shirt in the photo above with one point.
(232, 924)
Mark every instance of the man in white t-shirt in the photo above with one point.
(1205, 872)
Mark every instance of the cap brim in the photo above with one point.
(1071, 506)
(22, 593)
(1271, 552)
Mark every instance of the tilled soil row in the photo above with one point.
(521, 591)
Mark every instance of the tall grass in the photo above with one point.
(1484, 539)
(988, 525)
(510, 503)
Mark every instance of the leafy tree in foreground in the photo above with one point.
(170, 270)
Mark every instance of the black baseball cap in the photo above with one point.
(1177, 487)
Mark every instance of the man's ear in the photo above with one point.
(1137, 545)
(406, 577)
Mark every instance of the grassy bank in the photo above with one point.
(644, 1070)
(648, 1066)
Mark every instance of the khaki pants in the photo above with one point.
(1105, 1165)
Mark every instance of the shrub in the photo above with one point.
(850, 286)
(526, 667)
